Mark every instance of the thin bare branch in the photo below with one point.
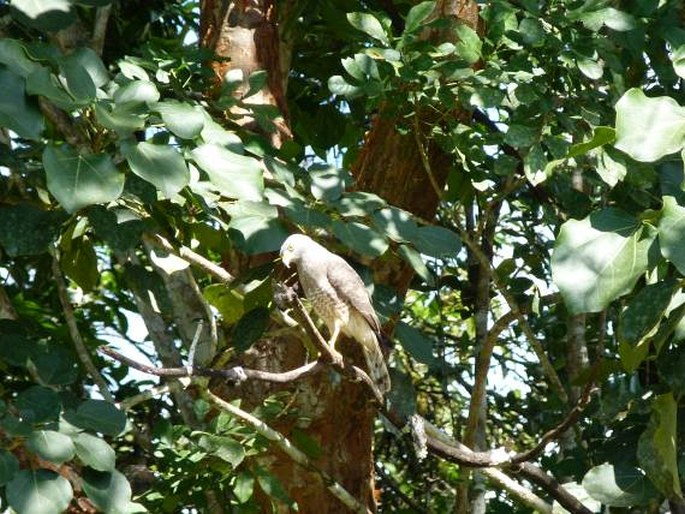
(77, 339)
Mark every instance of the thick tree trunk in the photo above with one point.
(335, 413)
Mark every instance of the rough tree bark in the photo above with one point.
(401, 169)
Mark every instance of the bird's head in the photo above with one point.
(293, 248)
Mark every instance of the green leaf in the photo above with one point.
(38, 404)
(186, 121)
(600, 136)
(671, 367)
(469, 45)
(226, 448)
(591, 68)
(114, 227)
(414, 259)
(648, 129)
(243, 486)
(51, 445)
(644, 311)
(272, 486)
(27, 230)
(48, 15)
(78, 80)
(358, 203)
(633, 355)
(437, 242)
(14, 56)
(368, 24)
(396, 223)
(417, 15)
(91, 63)
(360, 238)
(250, 328)
(161, 165)
(328, 182)
(16, 112)
(9, 465)
(672, 233)
(55, 364)
(227, 301)
(339, 86)
(656, 449)
(109, 491)
(599, 258)
(80, 180)
(578, 491)
(44, 83)
(39, 492)
(79, 262)
(234, 175)
(114, 117)
(94, 452)
(98, 416)
(137, 92)
(255, 227)
(520, 136)
(419, 346)
(619, 486)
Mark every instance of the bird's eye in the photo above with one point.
(290, 248)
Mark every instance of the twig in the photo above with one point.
(524, 494)
(553, 488)
(64, 124)
(79, 345)
(97, 42)
(235, 374)
(289, 449)
(190, 256)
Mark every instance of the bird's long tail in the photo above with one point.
(378, 371)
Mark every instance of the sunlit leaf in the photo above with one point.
(51, 445)
(39, 492)
(161, 165)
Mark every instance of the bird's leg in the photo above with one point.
(335, 333)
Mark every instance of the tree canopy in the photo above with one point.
(507, 178)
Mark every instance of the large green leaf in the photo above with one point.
(672, 233)
(619, 486)
(644, 311)
(226, 448)
(16, 112)
(599, 258)
(109, 491)
(77, 180)
(119, 118)
(137, 92)
(38, 404)
(437, 242)
(9, 465)
(417, 15)
(649, 128)
(656, 449)
(419, 345)
(39, 492)
(234, 175)
(161, 165)
(13, 55)
(52, 446)
(99, 416)
(186, 121)
(369, 24)
(396, 223)
(94, 452)
(360, 238)
(255, 227)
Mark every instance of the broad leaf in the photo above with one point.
(249, 328)
(94, 452)
(417, 15)
(396, 223)
(599, 258)
(656, 449)
(369, 24)
(619, 486)
(80, 180)
(27, 230)
(360, 238)
(50, 15)
(52, 446)
(234, 175)
(16, 112)
(14, 56)
(437, 242)
(116, 117)
(647, 129)
(9, 465)
(161, 165)
(39, 492)
(186, 121)
(419, 346)
(99, 416)
(672, 233)
(255, 227)
(38, 404)
(644, 311)
(226, 448)
(414, 259)
(137, 92)
(109, 491)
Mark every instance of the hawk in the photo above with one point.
(340, 298)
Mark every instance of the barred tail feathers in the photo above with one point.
(378, 371)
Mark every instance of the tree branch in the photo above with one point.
(77, 339)
(97, 42)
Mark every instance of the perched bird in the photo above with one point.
(340, 298)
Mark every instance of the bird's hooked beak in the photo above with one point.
(286, 256)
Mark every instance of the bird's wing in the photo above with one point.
(350, 288)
